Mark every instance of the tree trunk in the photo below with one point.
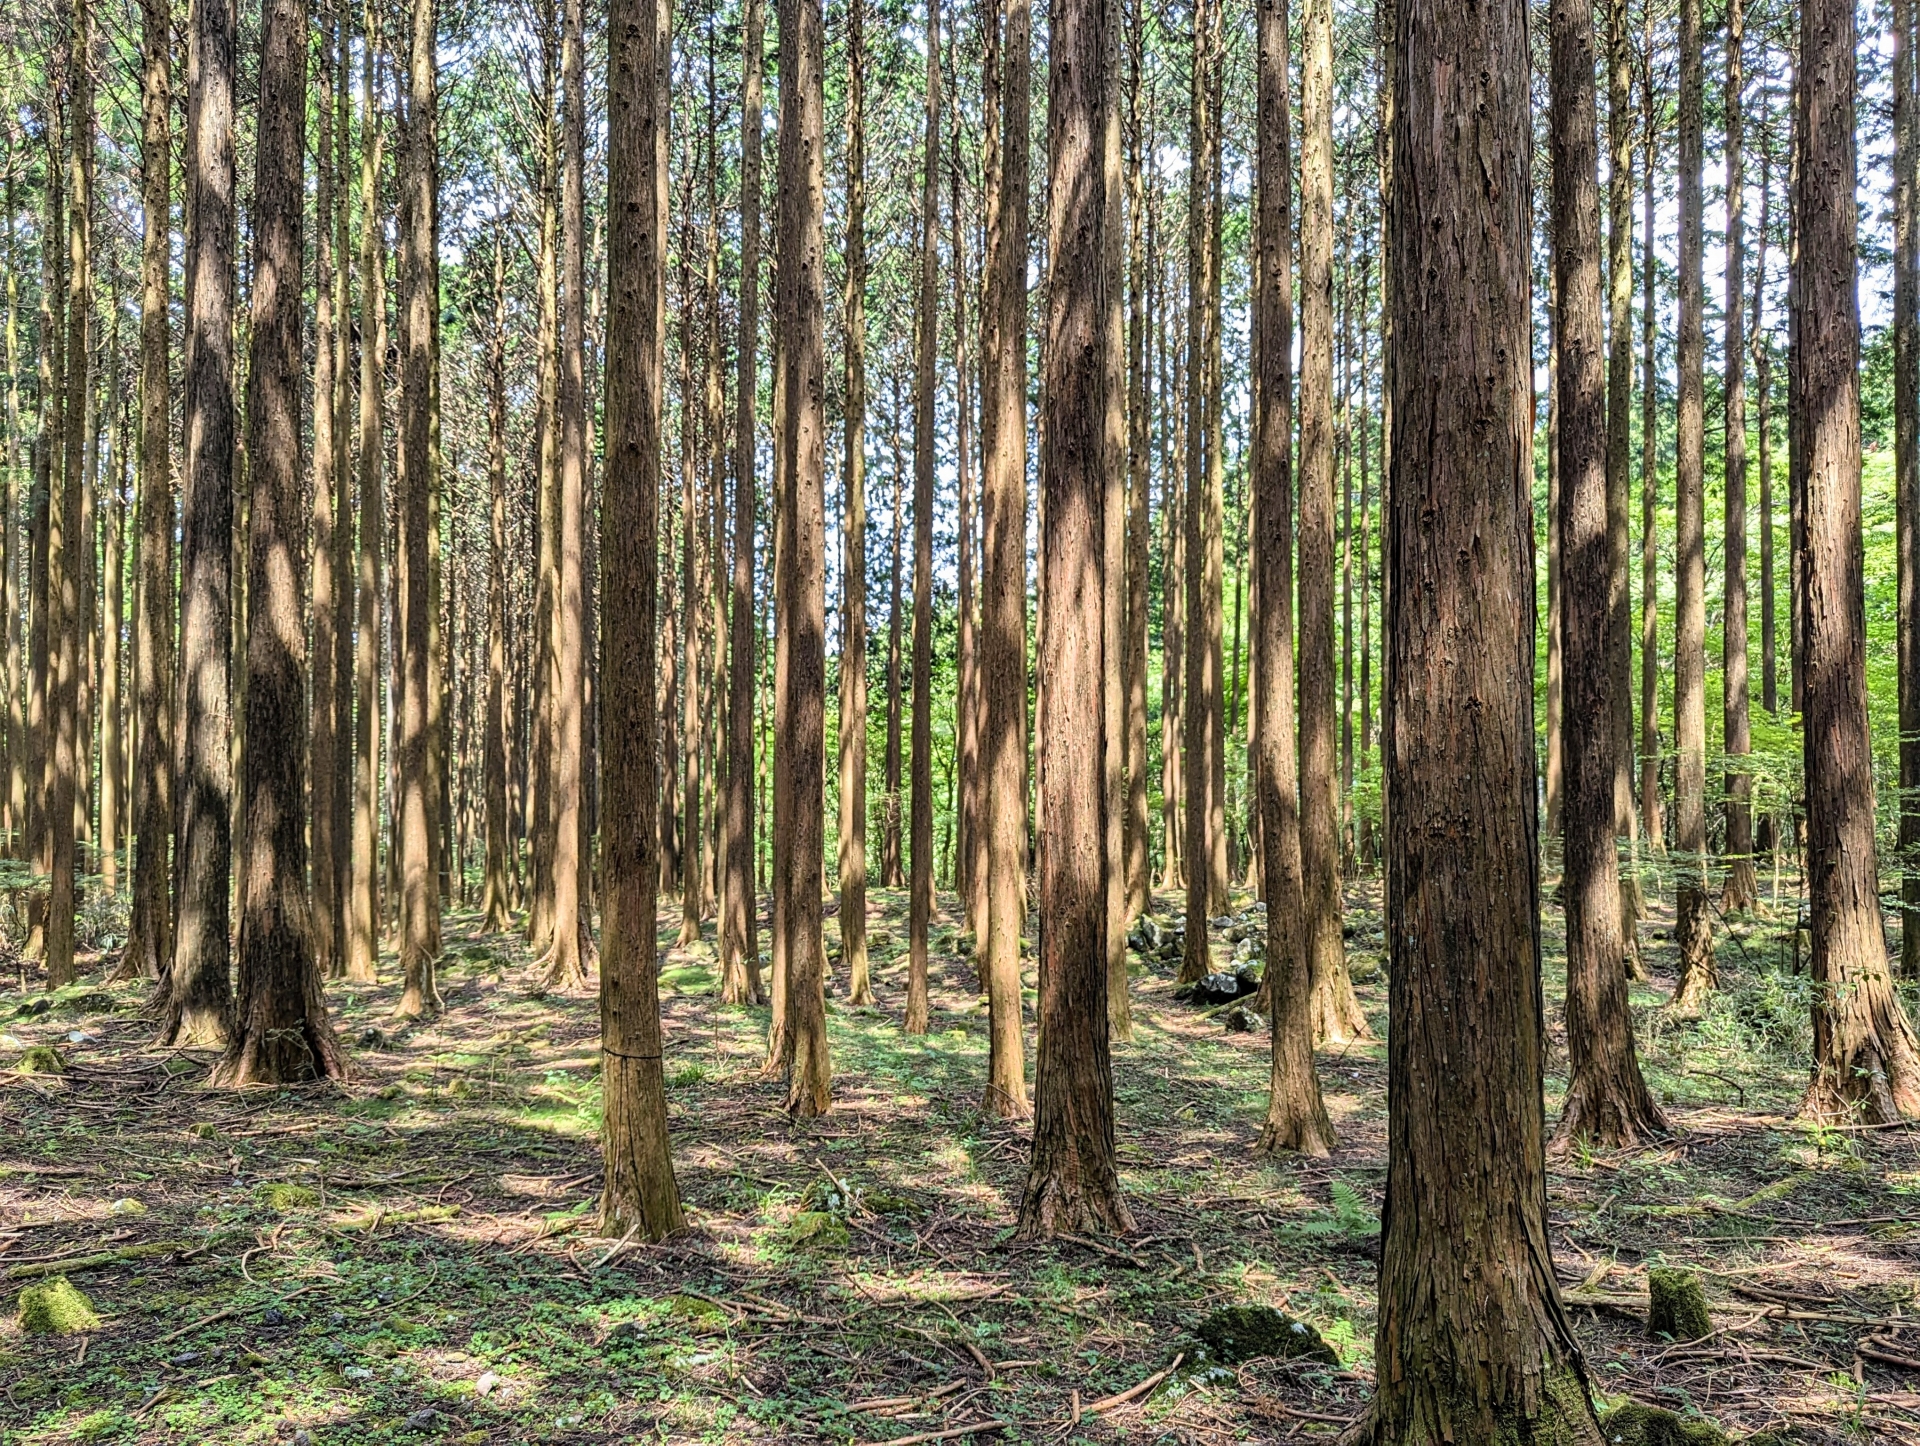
(801, 248)
(739, 929)
(547, 586)
(363, 909)
(1472, 1341)
(1740, 889)
(1173, 626)
(1114, 680)
(1906, 462)
(971, 860)
(926, 354)
(1139, 461)
(150, 918)
(1865, 1066)
(494, 906)
(1003, 612)
(419, 891)
(1073, 1180)
(1607, 1101)
(890, 870)
(282, 1033)
(1619, 427)
(1650, 819)
(853, 622)
(1690, 615)
(639, 1195)
(198, 996)
(1296, 1115)
(323, 739)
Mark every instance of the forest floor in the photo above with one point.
(407, 1258)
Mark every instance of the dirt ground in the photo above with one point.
(408, 1258)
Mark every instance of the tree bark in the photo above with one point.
(198, 995)
(1472, 1341)
(971, 860)
(1073, 1181)
(1607, 1101)
(1296, 1115)
(1650, 812)
(1740, 888)
(1003, 612)
(926, 354)
(1139, 463)
(891, 876)
(1619, 426)
(323, 739)
(1865, 1065)
(494, 906)
(640, 1195)
(802, 460)
(853, 623)
(282, 1034)
(1906, 462)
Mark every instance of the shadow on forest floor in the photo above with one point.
(405, 1258)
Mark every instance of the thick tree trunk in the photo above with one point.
(1740, 888)
(926, 354)
(801, 249)
(419, 882)
(1690, 608)
(1296, 1115)
(1866, 1068)
(1073, 1180)
(1472, 1341)
(740, 923)
(282, 1033)
(1003, 612)
(150, 916)
(639, 1195)
(1607, 1102)
(363, 908)
(199, 997)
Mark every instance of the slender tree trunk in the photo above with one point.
(363, 910)
(1003, 621)
(1556, 582)
(494, 904)
(1740, 888)
(1906, 461)
(547, 587)
(15, 778)
(199, 998)
(344, 602)
(926, 354)
(1073, 1180)
(1866, 1068)
(282, 1032)
(1139, 459)
(1695, 934)
(1607, 1101)
(323, 740)
(1113, 536)
(890, 863)
(1619, 443)
(801, 248)
(971, 860)
(1296, 1115)
(740, 925)
(1173, 628)
(150, 918)
(1650, 819)
(419, 881)
(1472, 1340)
(113, 621)
(639, 1195)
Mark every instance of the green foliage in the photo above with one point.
(56, 1308)
(1678, 1308)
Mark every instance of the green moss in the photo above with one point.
(701, 1317)
(1637, 1425)
(282, 1196)
(1678, 1305)
(56, 1308)
(817, 1230)
(1245, 1332)
(41, 1059)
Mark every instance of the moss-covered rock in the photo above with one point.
(1245, 1332)
(699, 1317)
(41, 1059)
(279, 1195)
(817, 1230)
(56, 1308)
(1637, 1425)
(1677, 1305)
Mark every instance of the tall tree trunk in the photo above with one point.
(419, 882)
(1740, 888)
(801, 248)
(282, 1033)
(853, 585)
(13, 800)
(1296, 1115)
(971, 860)
(1607, 1101)
(572, 942)
(1336, 1012)
(113, 622)
(1114, 680)
(363, 909)
(1695, 934)
(890, 862)
(323, 739)
(1139, 461)
(1650, 819)
(1866, 1068)
(1202, 708)
(494, 906)
(344, 602)
(1619, 441)
(740, 924)
(1003, 608)
(926, 354)
(1073, 1180)
(150, 918)
(199, 997)
(1762, 350)
(640, 1195)
(1173, 614)
(1906, 461)
(547, 586)
(1472, 1339)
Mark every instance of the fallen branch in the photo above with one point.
(972, 1429)
(1144, 1388)
(1875, 1351)
(92, 1262)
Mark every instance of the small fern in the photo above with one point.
(1348, 1219)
